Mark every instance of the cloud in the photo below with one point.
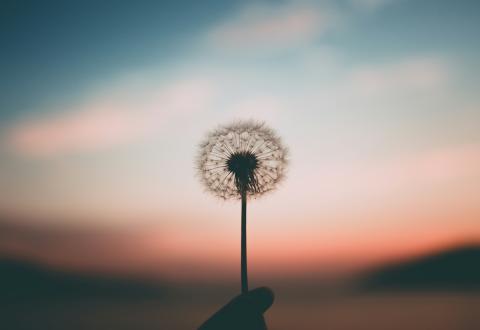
(430, 168)
(81, 247)
(285, 24)
(399, 177)
(369, 4)
(272, 26)
(118, 117)
(389, 86)
(417, 74)
(84, 129)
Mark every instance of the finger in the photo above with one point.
(243, 312)
(259, 299)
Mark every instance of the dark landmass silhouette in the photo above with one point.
(24, 280)
(453, 269)
(37, 296)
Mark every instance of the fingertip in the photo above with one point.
(262, 298)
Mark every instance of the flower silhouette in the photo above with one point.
(240, 160)
(242, 157)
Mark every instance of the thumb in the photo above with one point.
(258, 300)
(243, 312)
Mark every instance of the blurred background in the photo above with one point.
(103, 224)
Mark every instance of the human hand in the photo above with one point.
(244, 312)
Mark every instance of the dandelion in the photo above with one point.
(242, 160)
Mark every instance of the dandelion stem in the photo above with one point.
(244, 274)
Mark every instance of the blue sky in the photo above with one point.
(53, 51)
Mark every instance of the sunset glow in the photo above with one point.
(97, 157)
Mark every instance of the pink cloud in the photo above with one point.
(403, 176)
(86, 130)
(438, 166)
(285, 24)
(417, 74)
(384, 86)
(430, 180)
(119, 117)
(272, 26)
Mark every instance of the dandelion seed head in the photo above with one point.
(243, 156)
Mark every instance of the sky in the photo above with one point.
(103, 105)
